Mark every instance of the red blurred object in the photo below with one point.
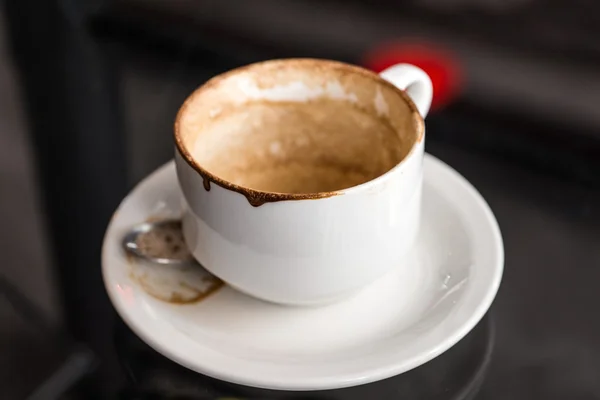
(440, 65)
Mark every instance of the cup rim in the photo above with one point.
(258, 197)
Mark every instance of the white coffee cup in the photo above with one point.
(303, 248)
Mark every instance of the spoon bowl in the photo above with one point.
(159, 242)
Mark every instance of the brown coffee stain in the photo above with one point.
(129, 257)
(216, 285)
(255, 202)
(180, 293)
(359, 82)
(257, 198)
(206, 183)
(297, 147)
(154, 218)
(176, 297)
(181, 285)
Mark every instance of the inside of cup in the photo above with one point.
(297, 126)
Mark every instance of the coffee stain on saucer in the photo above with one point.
(175, 284)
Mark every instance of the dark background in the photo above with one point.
(88, 93)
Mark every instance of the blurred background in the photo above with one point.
(88, 95)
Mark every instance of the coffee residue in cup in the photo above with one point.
(320, 145)
(295, 129)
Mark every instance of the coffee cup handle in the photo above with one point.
(414, 81)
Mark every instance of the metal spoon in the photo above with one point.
(159, 242)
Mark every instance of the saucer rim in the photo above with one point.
(341, 380)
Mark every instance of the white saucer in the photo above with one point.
(400, 322)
